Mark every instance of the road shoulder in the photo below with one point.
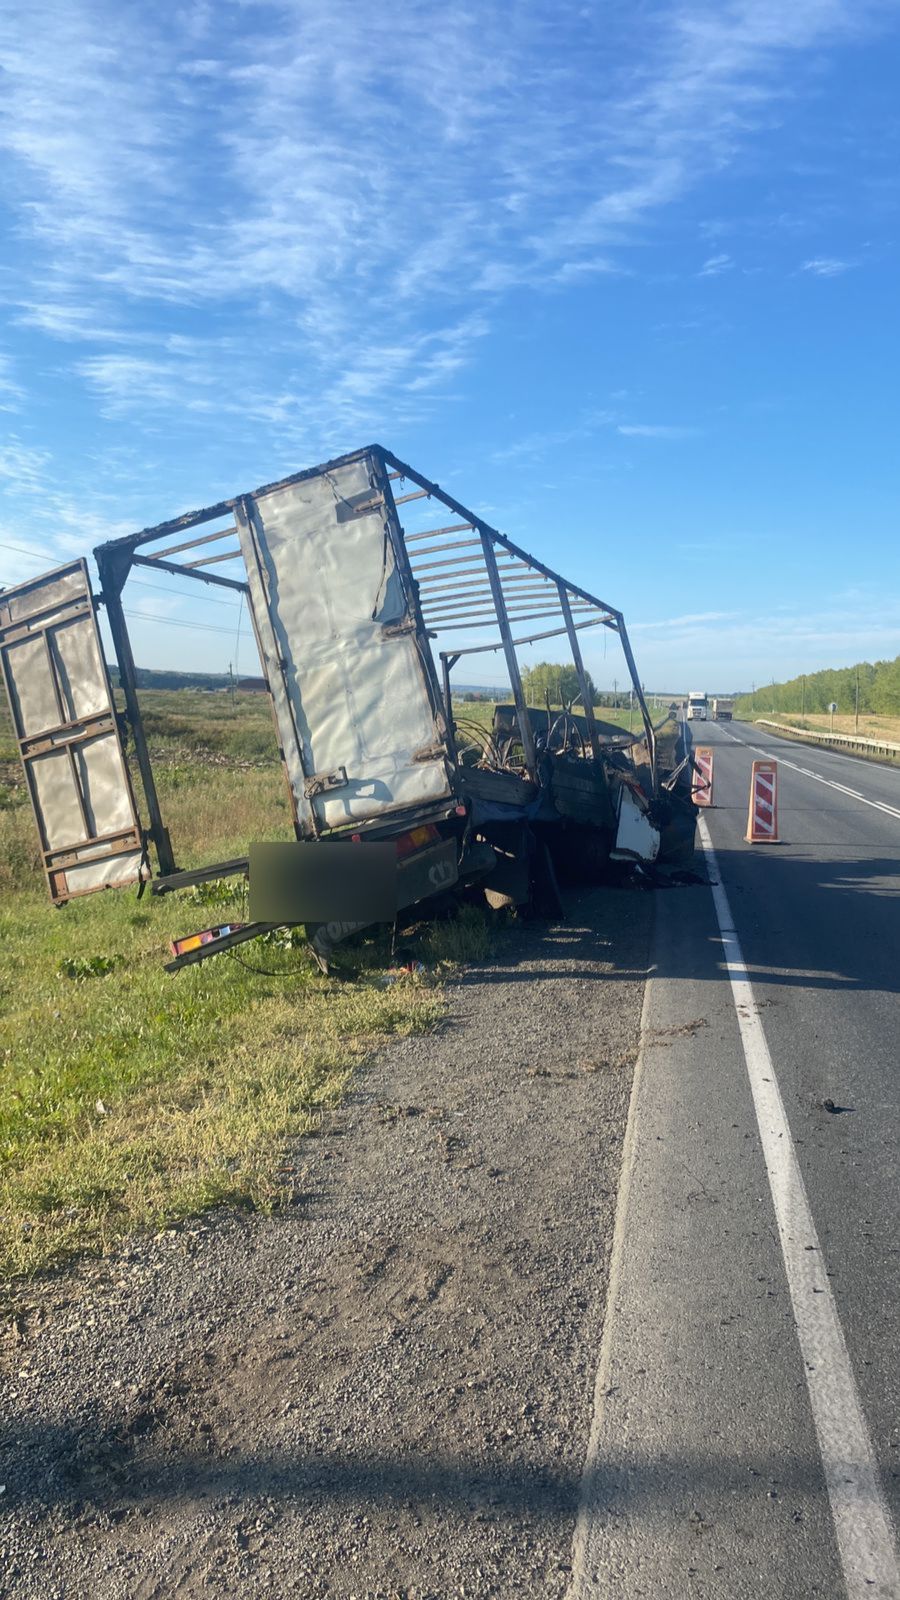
(703, 1474)
(387, 1392)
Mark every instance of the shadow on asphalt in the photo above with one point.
(844, 906)
(105, 1471)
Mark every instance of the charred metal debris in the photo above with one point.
(360, 619)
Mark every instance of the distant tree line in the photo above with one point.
(879, 691)
(560, 682)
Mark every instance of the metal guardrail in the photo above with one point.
(852, 740)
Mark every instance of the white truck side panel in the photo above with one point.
(357, 695)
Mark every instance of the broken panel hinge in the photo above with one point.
(321, 782)
(398, 630)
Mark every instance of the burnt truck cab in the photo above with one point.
(360, 619)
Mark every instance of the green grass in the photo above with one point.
(130, 1098)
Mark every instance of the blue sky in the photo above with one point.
(623, 277)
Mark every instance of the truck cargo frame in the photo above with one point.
(442, 583)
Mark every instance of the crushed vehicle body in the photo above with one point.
(360, 619)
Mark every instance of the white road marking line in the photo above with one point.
(877, 805)
(862, 1524)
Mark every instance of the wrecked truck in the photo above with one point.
(367, 585)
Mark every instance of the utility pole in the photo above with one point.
(803, 696)
(856, 724)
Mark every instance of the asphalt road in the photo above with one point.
(705, 1475)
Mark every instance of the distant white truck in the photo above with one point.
(722, 710)
(697, 706)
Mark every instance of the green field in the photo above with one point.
(130, 1097)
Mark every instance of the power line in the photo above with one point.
(207, 599)
(176, 622)
(163, 589)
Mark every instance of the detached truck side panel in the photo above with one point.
(362, 729)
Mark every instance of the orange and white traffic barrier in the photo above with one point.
(702, 780)
(762, 823)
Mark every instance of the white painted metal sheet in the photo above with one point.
(358, 694)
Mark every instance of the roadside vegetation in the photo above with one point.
(872, 686)
(820, 722)
(130, 1097)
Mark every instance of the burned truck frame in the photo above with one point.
(345, 604)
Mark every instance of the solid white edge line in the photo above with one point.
(579, 1581)
(862, 1524)
(840, 788)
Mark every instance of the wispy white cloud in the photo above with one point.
(826, 266)
(714, 265)
(656, 430)
(339, 182)
(691, 619)
(11, 392)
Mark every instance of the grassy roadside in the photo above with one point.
(130, 1098)
(870, 727)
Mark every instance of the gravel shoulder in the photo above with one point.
(385, 1391)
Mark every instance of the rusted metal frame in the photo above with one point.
(114, 568)
(191, 544)
(238, 867)
(286, 777)
(484, 619)
(274, 666)
(464, 601)
(469, 562)
(531, 638)
(45, 634)
(434, 490)
(188, 572)
(433, 533)
(578, 659)
(636, 683)
(26, 766)
(512, 580)
(224, 508)
(27, 584)
(525, 730)
(79, 794)
(448, 662)
(69, 856)
(210, 561)
(48, 740)
(451, 544)
(411, 590)
(15, 632)
(521, 597)
(477, 605)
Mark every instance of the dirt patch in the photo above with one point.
(386, 1391)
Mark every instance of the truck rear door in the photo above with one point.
(65, 725)
(358, 713)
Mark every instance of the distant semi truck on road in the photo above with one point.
(722, 710)
(697, 706)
